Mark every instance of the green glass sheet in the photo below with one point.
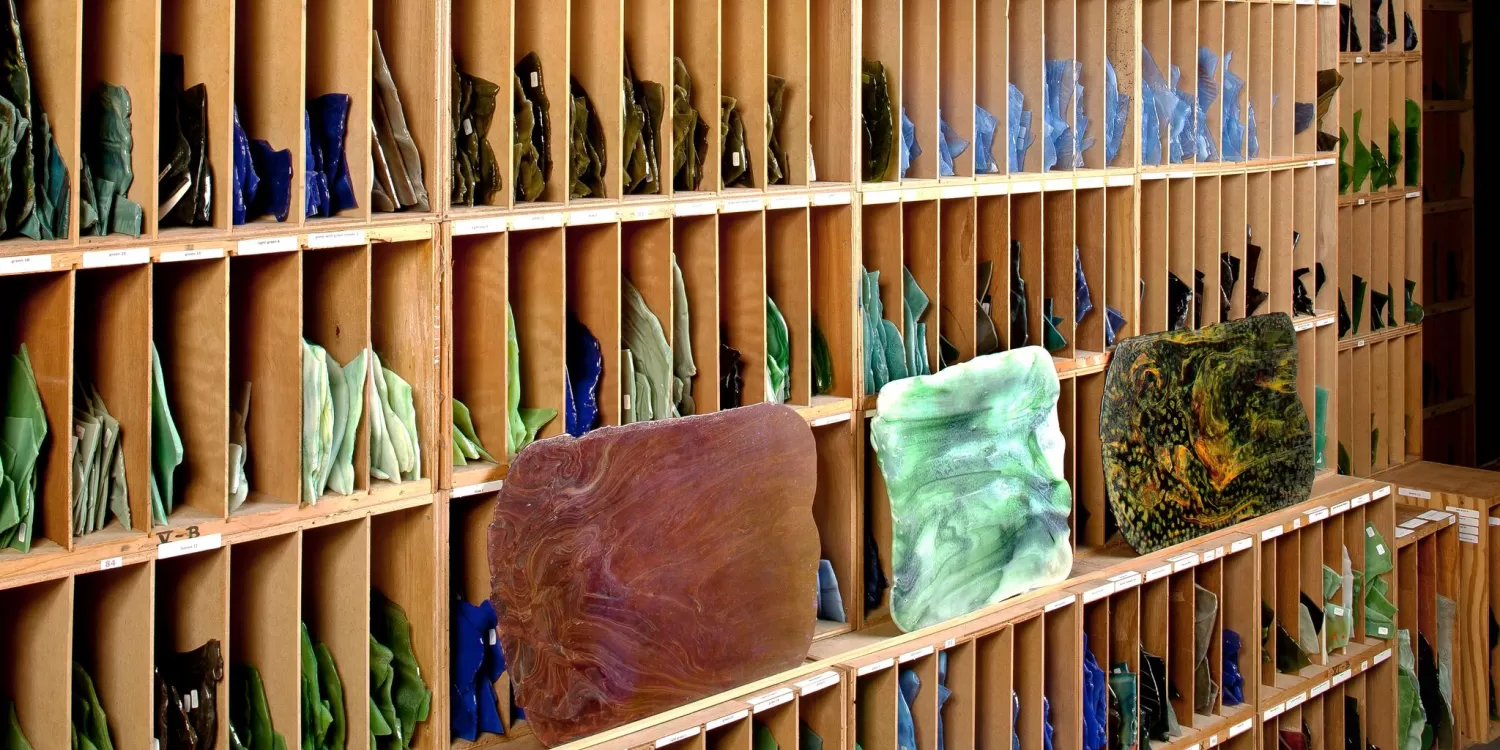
(778, 355)
(916, 303)
(21, 439)
(884, 354)
(1411, 720)
(642, 334)
(1320, 426)
(878, 121)
(90, 723)
(239, 448)
(405, 700)
(1362, 157)
(684, 369)
(522, 425)
(13, 737)
(1413, 143)
(166, 444)
(822, 362)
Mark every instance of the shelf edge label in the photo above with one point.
(1320, 688)
(836, 198)
(886, 663)
(1127, 580)
(1360, 501)
(1241, 545)
(477, 489)
(263, 245)
(1060, 603)
(916, 654)
(109, 258)
(490, 225)
(1382, 492)
(1296, 701)
(1382, 656)
(25, 264)
(738, 205)
(1271, 533)
(729, 719)
(678, 737)
(111, 563)
(549, 220)
(1274, 711)
(1342, 677)
(776, 701)
(818, 682)
(1240, 728)
(1415, 493)
(167, 550)
(593, 216)
(204, 253)
(1339, 508)
(345, 238)
(1158, 573)
(1184, 561)
(1098, 592)
(1317, 514)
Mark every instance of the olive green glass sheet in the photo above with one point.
(973, 460)
(1362, 159)
(395, 450)
(776, 158)
(239, 447)
(332, 404)
(643, 113)
(689, 131)
(878, 120)
(533, 131)
(884, 355)
(476, 170)
(12, 737)
(324, 717)
(98, 464)
(1447, 620)
(1411, 720)
(250, 725)
(587, 163)
(22, 434)
(34, 188)
(734, 164)
(1413, 143)
(90, 723)
(166, 445)
(643, 336)
(399, 695)
(778, 355)
(684, 369)
(466, 445)
(522, 424)
(822, 362)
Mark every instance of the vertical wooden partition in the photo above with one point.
(191, 608)
(202, 31)
(404, 568)
(695, 246)
(788, 279)
(265, 612)
(835, 294)
(112, 353)
(836, 514)
(537, 296)
(478, 280)
(403, 306)
(338, 62)
(265, 352)
(336, 316)
(335, 606)
(742, 297)
(120, 47)
(40, 641)
(270, 96)
(38, 314)
(191, 320)
(111, 613)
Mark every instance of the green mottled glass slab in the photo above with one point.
(1203, 429)
(972, 459)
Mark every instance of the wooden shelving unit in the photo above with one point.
(1448, 143)
(226, 305)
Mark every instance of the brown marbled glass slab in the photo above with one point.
(643, 567)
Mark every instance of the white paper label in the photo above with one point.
(916, 654)
(1271, 533)
(1213, 740)
(1158, 573)
(25, 264)
(958, 191)
(1319, 689)
(1098, 592)
(1194, 746)
(107, 258)
(1089, 183)
(1325, 322)
(1305, 325)
(492, 636)
(787, 201)
(774, 702)
(1382, 492)
(263, 245)
(1296, 701)
(1360, 202)
(730, 719)
(595, 216)
(830, 419)
(877, 197)
(1494, 520)
(1359, 501)
(1056, 184)
(206, 253)
(1339, 508)
(695, 208)
(678, 737)
(549, 220)
(194, 697)
(1380, 549)
(1028, 186)
(1275, 711)
(986, 189)
(1060, 603)
(1183, 175)
(1240, 728)
(734, 158)
(1317, 514)
(742, 204)
(1436, 515)
(776, 694)
(876, 667)
(1359, 59)
(189, 546)
(476, 489)
(491, 225)
(1468, 538)
(1363, 665)
(1126, 580)
(1418, 494)
(625, 402)
(1119, 180)
(837, 198)
(1403, 533)
(1382, 631)
(818, 682)
(1342, 677)
(346, 238)
(1370, 531)
(949, 643)
(1414, 194)
(1241, 545)
(1184, 561)
(533, 79)
(1383, 655)
(1414, 523)
(111, 563)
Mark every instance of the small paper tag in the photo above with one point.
(1320, 689)
(488, 225)
(111, 563)
(1363, 665)
(916, 654)
(957, 191)
(734, 158)
(188, 546)
(1090, 183)
(695, 208)
(206, 253)
(25, 264)
(774, 695)
(1436, 515)
(1028, 186)
(1359, 501)
(1241, 545)
(1317, 514)
(1184, 561)
(1119, 180)
(1403, 533)
(263, 245)
(1370, 531)
(1158, 573)
(774, 702)
(1416, 493)
(1098, 592)
(781, 202)
(818, 682)
(1382, 631)
(1414, 194)
(949, 643)
(1468, 538)
(492, 637)
(476, 489)
(1382, 492)
(1383, 655)
(345, 238)
(1296, 701)
(533, 79)
(987, 189)
(595, 216)
(1271, 533)
(678, 737)
(876, 667)
(108, 258)
(1342, 677)
(739, 205)
(729, 719)
(1127, 580)
(1414, 523)
(1380, 549)
(193, 699)
(1213, 740)
(1275, 711)
(1339, 508)
(1060, 603)
(1240, 728)
(548, 220)
(836, 198)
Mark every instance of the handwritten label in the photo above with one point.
(345, 238)
(1317, 514)
(1184, 561)
(1342, 677)
(1382, 492)
(1383, 655)
(1320, 689)
(477, 489)
(1339, 508)
(678, 737)
(771, 696)
(818, 682)
(787, 201)
(1415, 493)
(1098, 592)
(1305, 325)
(1467, 538)
(770, 703)
(1275, 711)
(1296, 701)
(1271, 533)
(729, 719)
(695, 208)
(202, 543)
(206, 253)
(739, 205)
(1158, 573)
(836, 198)
(916, 654)
(1436, 515)
(1360, 501)
(108, 258)
(549, 220)
(877, 666)
(1414, 523)
(111, 563)
(490, 225)
(593, 216)
(1060, 603)
(263, 245)
(1325, 322)
(1403, 533)
(25, 264)
(1241, 545)
(1126, 581)
(1240, 728)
